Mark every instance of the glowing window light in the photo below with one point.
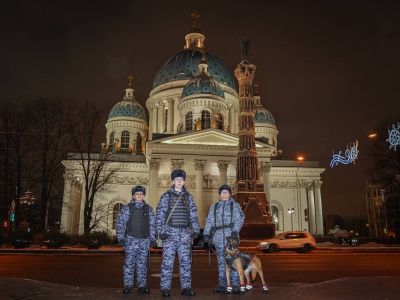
(350, 155)
(394, 136)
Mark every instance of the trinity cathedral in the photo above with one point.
(191, 123)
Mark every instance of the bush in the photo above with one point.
(53, 238)
(20, 238)
(94, 240)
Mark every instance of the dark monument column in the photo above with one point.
(249, 190)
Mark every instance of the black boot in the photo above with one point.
(143, 290)
(126, 290)
(219, 289)
(188, 292)
(166, 293)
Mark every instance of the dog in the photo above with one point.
(244, 264)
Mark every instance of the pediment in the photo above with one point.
(204, 137)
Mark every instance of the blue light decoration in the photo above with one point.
(350, 155)
(394, 137)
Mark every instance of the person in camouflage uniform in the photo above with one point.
(177, 225)
(225, 218)
(136, 232)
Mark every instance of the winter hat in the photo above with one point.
(224, 187)
(138, 188)
(178, 173)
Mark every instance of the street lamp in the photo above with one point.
(300, 157)
(291, 212)
(26, 200)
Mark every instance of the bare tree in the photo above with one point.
(51, 119)
(96, 163)
(14, 151)
(386, 170)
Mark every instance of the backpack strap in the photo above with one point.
(231, 214)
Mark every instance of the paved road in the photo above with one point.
(281, 269)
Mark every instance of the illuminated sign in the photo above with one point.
(350, 155)
(394, 137)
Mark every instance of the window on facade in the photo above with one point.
(125, 139)
(205, 119)
(111, 138)
(275, 216)
(116, 209)
(189, 121)
(139, 148)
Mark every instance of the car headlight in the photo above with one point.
(263, 244)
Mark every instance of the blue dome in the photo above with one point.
(202, 84)
(184, 65)
(263, 116)
(128, 109)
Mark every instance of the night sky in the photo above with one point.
(327, 70)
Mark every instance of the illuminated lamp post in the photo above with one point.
(291, 212)
(26, 200)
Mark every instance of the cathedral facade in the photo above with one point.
(192, 124)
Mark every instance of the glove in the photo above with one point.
(153, 244)
(235, 235)
(206, 238)
(121, 242)
(195, 235)
(163, 236)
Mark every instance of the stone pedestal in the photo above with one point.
(258, 222)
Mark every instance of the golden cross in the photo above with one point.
(130, 78)
(195, 17)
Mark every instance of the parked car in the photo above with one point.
(300, 241)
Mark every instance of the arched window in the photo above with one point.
(189, 121)
(125, 139)
(139, 149)
(116, 209)
(111, 138)
(275, 216)
(220, 122)
(205, 119)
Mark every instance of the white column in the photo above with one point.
(154, 165)
(170, 127)
(177, 116)
(199, 167)
(153, 122)
(160, 121)
(232, 118)
(66, 206)
(80, 207)
(318, 208)
(265, 169)
(311, 209)
(223, 171)
(236, 121)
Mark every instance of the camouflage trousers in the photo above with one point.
(220, 253)
(136, 255)
(178, 242)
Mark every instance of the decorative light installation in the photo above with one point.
(350, 155)
(394, 136)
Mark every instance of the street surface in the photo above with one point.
(319, 275)
(280, 269)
